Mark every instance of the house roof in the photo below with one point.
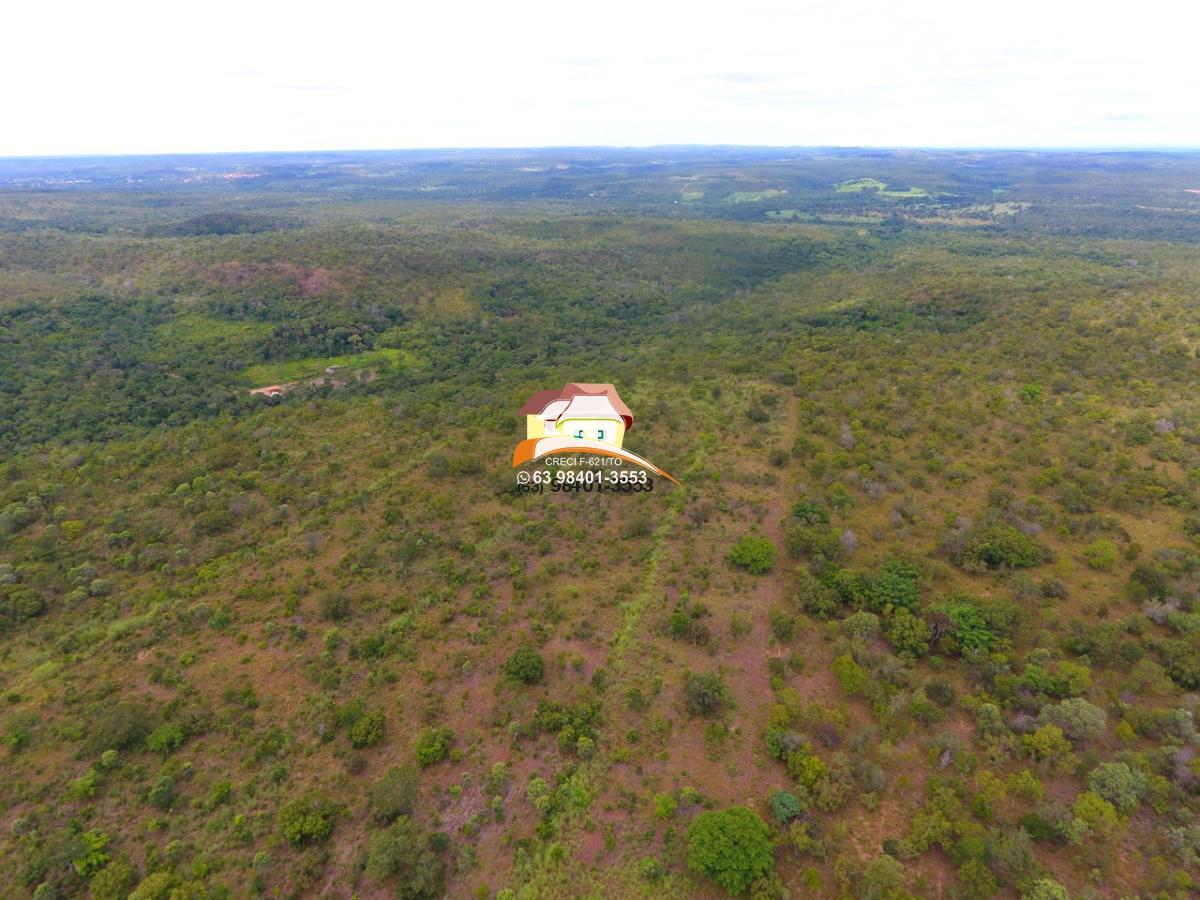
(539, 401)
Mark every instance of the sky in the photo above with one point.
(161, 77)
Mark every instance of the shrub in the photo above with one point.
(162, 792)
(810, 512)
(335, 606)
(394, 794)
(664, 806)
(898, 584)
(122, 726)
(850, 675)
(308, 819)
(731, 846)
(433, 745)
(754, 554)
(368, 730)
(705, 693)
(401, 851)
(1096, 815)
(525, 666)
(786, 806)
(783, 626)
(968, 625)
(908, 633)
(861, 625)
(998, 546)
(882, 879)
(165, 738)
(1048, 742)
(1046, 889)
(1079, 720)
(1120, 785)
(114, 881)
(91, 853)
(1100, 554)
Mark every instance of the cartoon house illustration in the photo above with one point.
(579, 418)
(580, 411)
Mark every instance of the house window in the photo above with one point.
(599, 434)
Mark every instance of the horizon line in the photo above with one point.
(542, 148)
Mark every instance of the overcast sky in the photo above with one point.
(131, 77)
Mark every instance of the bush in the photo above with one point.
(335, 606)
(731, 846)
(908, 633)
(1120, 785)
(368, 730)
(882, 879)
(786, 806)
(114, 881)
(525, 666)
(664, 806)
(165, 738)
(1079, 720)
(401, 851)
(394, 794)
(433, 745)
(122, 726)
(1100, 554)
(850, 675)
(998, 546)
(754, 554)
(705, 694)
(1046, 889)
(898, 584)
(1047, 743)
(308, 819)
(162, 792)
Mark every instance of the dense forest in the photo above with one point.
(921, 619)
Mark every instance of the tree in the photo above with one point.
(998, 546)
(850, 675)
(908, 633)
(433, 745)
(1046, 889)
(525, 666)
(731, 846)
(898, 584)
(977, 881)
(786, 806)
(1100, 554)
(368, 730)
(705, 693)
(1079, 719)
(1093, 815)
(394, 794)
(114, 881)
(1120, 785)
(754, 554)
(1047, 743)
(308, 819)
(883, 879)
(166, 738)
(402, 851)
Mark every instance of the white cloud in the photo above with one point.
(160, 77)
